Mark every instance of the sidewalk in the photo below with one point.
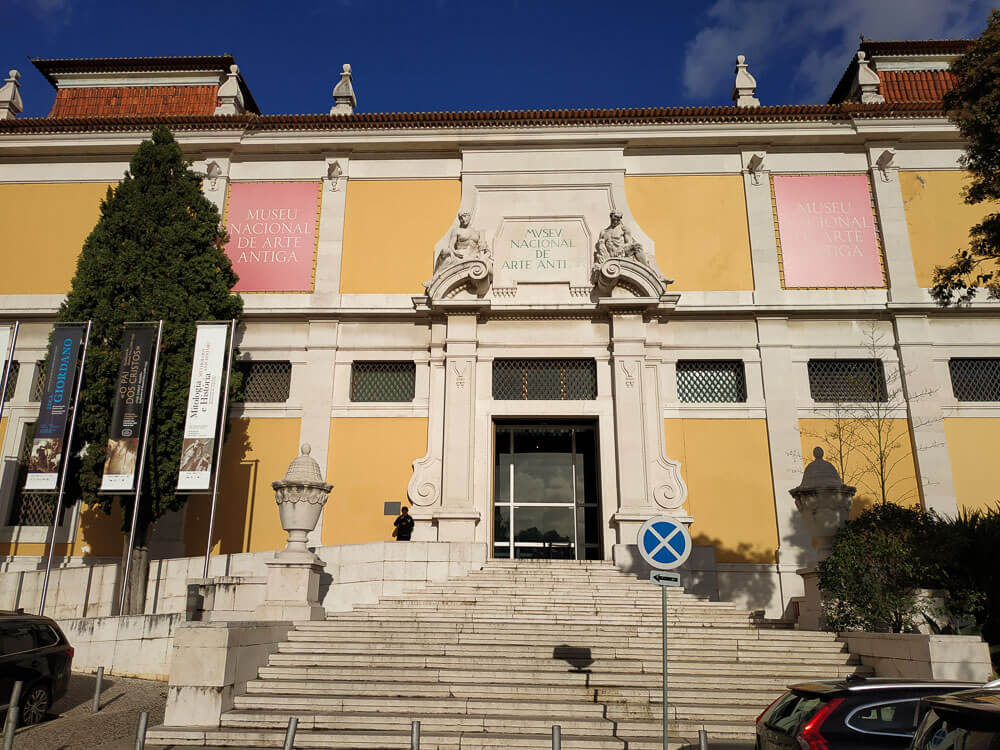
(71, 725)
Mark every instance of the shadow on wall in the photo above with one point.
(752, 581)
(234, 512)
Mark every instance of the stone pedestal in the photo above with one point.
(810, 615)
(292, 591)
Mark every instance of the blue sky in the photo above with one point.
(505, 54)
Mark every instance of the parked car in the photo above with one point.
(33, 650)
(852, 714)
(967, 720)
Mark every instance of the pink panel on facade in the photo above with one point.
(827, 231)
(272, 235)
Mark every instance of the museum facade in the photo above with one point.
(540, 328)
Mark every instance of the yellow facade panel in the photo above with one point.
(369, 464)
(895, 472)
(99, 531)
(256, 453)
(45, 225)
(390, 228)
(727, 468)
(974, 468)
(937, 218)
(699, 224)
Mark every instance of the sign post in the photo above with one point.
(664, 543)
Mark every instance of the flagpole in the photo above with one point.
(142, 466)
(8, 364)
(223, 423)
(67, 452)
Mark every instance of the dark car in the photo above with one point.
(854, 714)
(968, 720)
(33, 650)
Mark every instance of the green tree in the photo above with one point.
(974, 106)
(155, 253)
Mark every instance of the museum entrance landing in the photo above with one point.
(546, 503)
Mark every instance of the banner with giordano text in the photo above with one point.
(129, 414)
(47, 448)
(201, 424)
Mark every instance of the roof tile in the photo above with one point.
(916, 86)
(134, 101)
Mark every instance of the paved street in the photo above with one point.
(71, 725)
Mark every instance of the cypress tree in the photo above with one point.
(156, 253)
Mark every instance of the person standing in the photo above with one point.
(403, 525)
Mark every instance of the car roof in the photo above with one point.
(862, 684)
(984, 703)
(7, 615)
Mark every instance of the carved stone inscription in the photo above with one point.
(541, 251)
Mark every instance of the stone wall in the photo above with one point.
(922, 657)
(136, 646)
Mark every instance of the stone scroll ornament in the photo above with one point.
(463, 262)
(619, 260)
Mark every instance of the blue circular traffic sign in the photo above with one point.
(664, 542)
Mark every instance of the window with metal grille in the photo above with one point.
(975, 379)
(383, 381)
(29, 508)
(711, 381)
(544, 379)
(15, 368)
(832, 380)
(265, 382)
(38, 384)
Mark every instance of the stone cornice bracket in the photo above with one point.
(756, 167)
(745, 87)
(10, 96)
(884, 164)
(212, 173)
(333, 173)
(344, 100)
(631, 275)
(230, 95)
(868, 82)
(472, 276)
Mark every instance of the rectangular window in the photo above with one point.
(38, 384)
(975, 379)
(705, 381)
(390, 381)
(15, 368)
(544, 379)
(265, 382)
(852, 380)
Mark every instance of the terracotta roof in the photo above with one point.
(916, 85)
(135, 101)
(844, 112)
(916, 47)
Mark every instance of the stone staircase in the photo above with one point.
(494, 659)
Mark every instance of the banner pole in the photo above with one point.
(142, 466)
(65, 467)
(7, 365)
(223, 423)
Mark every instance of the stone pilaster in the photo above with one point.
(760, 218)
(892, 220)
(424, 488)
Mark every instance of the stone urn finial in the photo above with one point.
(824, 502)
(301, 495)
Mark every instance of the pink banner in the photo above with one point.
(272, 235)
(827, 231)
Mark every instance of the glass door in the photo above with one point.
(545, 501)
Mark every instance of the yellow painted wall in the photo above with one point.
(974, 466)
(727, 468)
(390, 228)
(937, 218)
(99, 531)
(44, 228)
(257, 452)
(370, 462)
(699, 225)
(902, 485)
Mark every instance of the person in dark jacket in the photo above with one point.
(404, 525)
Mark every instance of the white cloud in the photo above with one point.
(812, 41)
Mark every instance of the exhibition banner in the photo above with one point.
(272, 235)
(47, 449)
(131, 398)
(201, 424)
(827, 230)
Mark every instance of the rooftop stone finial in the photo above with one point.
(10, 96)
(230, 95)
(745, 87)
(868, 82)
(344, 100)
